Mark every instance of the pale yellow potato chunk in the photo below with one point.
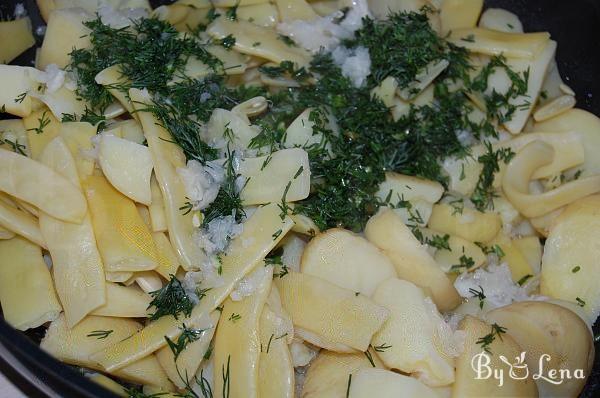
(124, 240)
(470, 225)
(237, 341)
(247, 33)
(347, 260)
(542, 328)
(335, 313)
(16, 37)
(328, 373)
(39, 185)
(572, 243)
(418, 340)
(75, 346)
(411, 259)
(128, 166)
(383, 383)
(269, 176)
(65, 31)
(468, 385)
(262, 232)
(26, 290)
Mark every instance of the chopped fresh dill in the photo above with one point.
(286, 68)
(276, 234)
(43, 122)
(576, 269)
(15, 146)
(287, 40)
(495, 249)
(349, 384)
(186, 337)
(234, 317)
(226, 378)
(171, 299)
(524, 279)
(228, 42)
(479, 294)
(370, 358)
(231, 13)
(466, 263)
(484, 194)
(580, 302)
(134, 392)
(382, 347)
(100, 334)
(20, 98)
(488, 339)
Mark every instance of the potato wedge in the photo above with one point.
(411, 259)
(128, 166)
(336, 314)
(551, 335)
(347, 260)
(414, 339)
(470, 383)
(569, 262)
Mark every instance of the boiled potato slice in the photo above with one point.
(39, 185)
(77, 266)
(237, 340)
(420, 193)
(77, 136)
(569, 262)
(459, 14)
(328, 373)
(247, 33)
(27, 293)
(336, 314)
(42, 127)
(448, 259)
(22, 223)
(75, 346)
(229, 127)
(167, 157)
(587, 125)
(411, 259)
(501, 20)
(128, 129)
(16, 83)
(124, 240)
(65, 32)
(16, 38)
(268, 177)
(517, 262)
(128, 166)
(468, 384)
(531, 248)
(471, 224)
(491, 42)
(416, 337)
(347, 260)
(262, 232)
(551, 335)
(190, 358)
(275, 371)
(124, 302)
(381, 383)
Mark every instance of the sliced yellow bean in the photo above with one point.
(21, 223)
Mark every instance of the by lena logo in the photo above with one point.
(519, 370)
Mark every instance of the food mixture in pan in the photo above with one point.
(292, 198)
